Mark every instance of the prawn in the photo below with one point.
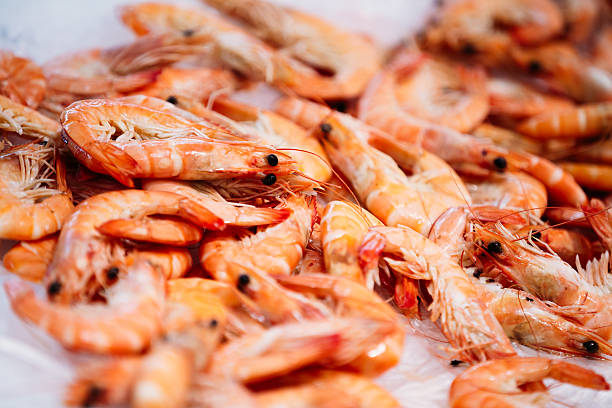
(85, 260)
(247, 260)
(498, 382)
(21, 80)
(34, 199)
(27, 122)
(590, 175)
(29, 259)
(126, 141)
(126, 324)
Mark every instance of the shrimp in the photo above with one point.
(490, 28)
(580, 18)
(29, 259)
(285, 348)
(321, 388)
(165, 231)
(590, 175)
(516, 100)
(85, 260)
(24, 121)
(34, 200)
(352, 299)
(21, 80)
(126, 324)
(498, 253)
(573, 246)
(343, 226)
(498, 382)
(126, 140)
(512, 190)
(439, 91)
(248, 260)
(584, 121)
(281, 133)
(531, 322)
(381, 185)
(470, 327)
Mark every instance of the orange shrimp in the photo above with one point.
(247, 260)
(165, 231)
(26, 122)
(34, 200)
(126, 324)
(343, 226)
(572, 245)
(439, 91)
(21, 80)
(84, 259)
(351, 299)
(590, 175)
(29, 259)
(127, 140)
(470, 327)
(498, 382)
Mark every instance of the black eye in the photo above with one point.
(243, 281)
(500, 163)
(537, 235)
(188, 33)
(272, 159)
(94, 395)
(213, 323)
(494, 247)
(455, 363)
(172, 99)
(269, 179)
(529, 299)
(469, 49)
(591, 346)
(325, 128)
(477, 273)
(112, 273)
(534, 67)
(54, 288)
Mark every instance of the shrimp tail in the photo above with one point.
(576, 375)
(200, 215)
(114, 161)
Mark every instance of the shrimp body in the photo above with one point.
(29, 259)
(21, 80)
(83, 255)
(24, 121)
(127, 324)
(590, 175)
(497, 382)
(157, 144)
(33, 198)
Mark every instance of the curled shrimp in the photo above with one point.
(85, 260)
(27, 122)
(498, 382)
(21, 80)
(126, 140)
(34, 199)
(126, 324)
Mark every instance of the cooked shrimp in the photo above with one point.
(21, 80)
(287, 347)
(343, 226)
(498, 382)
(29, 259)
(381, 185)
(491, 28)
(206, 196)
(165, 231)
(439, 91)
(351, 299)
(572, 245)
(126, 324)
(512, 190)
(84, 258)
(320, 388)
(470, 327)
(33, 199)
(247, 260)
(127, 140)
(24, 121)
(516, 100)
(590, 175)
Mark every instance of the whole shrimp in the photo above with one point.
(27, 122)
(247, 260)
(21, 80)
(34, 199)
(126, 140)
(498, 382)
(126, 324)
(85, 260)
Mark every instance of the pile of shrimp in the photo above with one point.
(198, 251)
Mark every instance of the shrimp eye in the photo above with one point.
(469, 49)
(591, 346)
(213, 323)
(93, 396)
(269, 179)
(477, 273)
(272, 159)
(243, 281)
(536, 235)
(529, 299)
(500, 163)
(455, 363)
(340, 106)
(64, 138)
(172, 99)
(54, 288)
(112, 273)
(325, 128)
(534, 67)
(188, 33)
(494, 247)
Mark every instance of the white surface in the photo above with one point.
(34, 369)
